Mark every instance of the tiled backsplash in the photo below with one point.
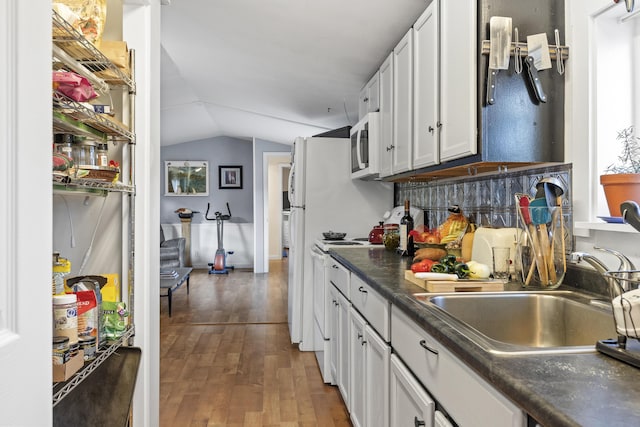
(488, 200)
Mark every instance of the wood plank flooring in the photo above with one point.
(226, 358)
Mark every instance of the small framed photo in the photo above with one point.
(230, 177)
(186, 178)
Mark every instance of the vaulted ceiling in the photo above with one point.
(271, 69)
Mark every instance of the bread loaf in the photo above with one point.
(434, 254)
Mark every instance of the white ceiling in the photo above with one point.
(271, 69)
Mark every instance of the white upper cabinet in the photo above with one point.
(445, 87)
(369, 100)
(426, 121)
(458, 79)
(403, 104)
(386, 116)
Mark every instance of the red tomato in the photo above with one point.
(422, 266)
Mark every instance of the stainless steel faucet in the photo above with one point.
(616, 286)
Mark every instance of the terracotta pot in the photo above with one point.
(619, 188)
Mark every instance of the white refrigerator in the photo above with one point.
(323, 197)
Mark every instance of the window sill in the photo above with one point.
(584, 228)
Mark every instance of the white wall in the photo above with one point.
(582, 134)
(237, 237)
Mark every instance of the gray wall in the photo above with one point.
(247, 204)
(217, 151)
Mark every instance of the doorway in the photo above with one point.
(276, 183)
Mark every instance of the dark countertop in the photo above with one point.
(586, 389)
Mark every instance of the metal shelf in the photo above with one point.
(64, 183)
(77, 112)
(86, 54)
(60, 390)
(74, 52)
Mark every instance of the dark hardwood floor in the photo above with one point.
(226, 358)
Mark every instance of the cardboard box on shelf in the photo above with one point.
(118, 53)
(66, 371)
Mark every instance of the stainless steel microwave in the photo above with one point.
(365, 146)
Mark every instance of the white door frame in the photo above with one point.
(266, 156)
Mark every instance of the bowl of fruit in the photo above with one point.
(425, 238)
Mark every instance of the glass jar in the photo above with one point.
(391, 237)
(84, 151)
(540, 253)
(102, 156)
(63, 144)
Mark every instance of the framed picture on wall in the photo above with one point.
(186, 178)
(230, 177)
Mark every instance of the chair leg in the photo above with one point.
(169, 297)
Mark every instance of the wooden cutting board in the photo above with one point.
(455, 286)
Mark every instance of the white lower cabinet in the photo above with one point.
(357, 359)
(369, 377)
(334, 349)
(377, 359)
(342, 319)
(466, 397)
(410, 405)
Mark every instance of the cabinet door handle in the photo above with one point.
(362, 289)
(391, 147)
(417, 422)
(359, 337)
(334, 266)
(424, 345)
(431, 129)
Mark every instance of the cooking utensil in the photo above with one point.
(535, 80)
(499, 52)
(333, 235)
(375, 235)
(559, 60)
(540, 216)
(517, 53)
(553, 191)
(523, 202)
(538, 48)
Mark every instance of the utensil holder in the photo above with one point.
(540, 260)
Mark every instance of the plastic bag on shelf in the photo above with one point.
(73, 86)
(86, 16)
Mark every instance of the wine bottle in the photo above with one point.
(406, 225)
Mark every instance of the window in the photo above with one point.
(617, 72)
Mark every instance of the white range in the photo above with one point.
(322, 265)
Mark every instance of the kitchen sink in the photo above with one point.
(526, 322)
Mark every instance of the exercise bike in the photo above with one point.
(219, 264)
